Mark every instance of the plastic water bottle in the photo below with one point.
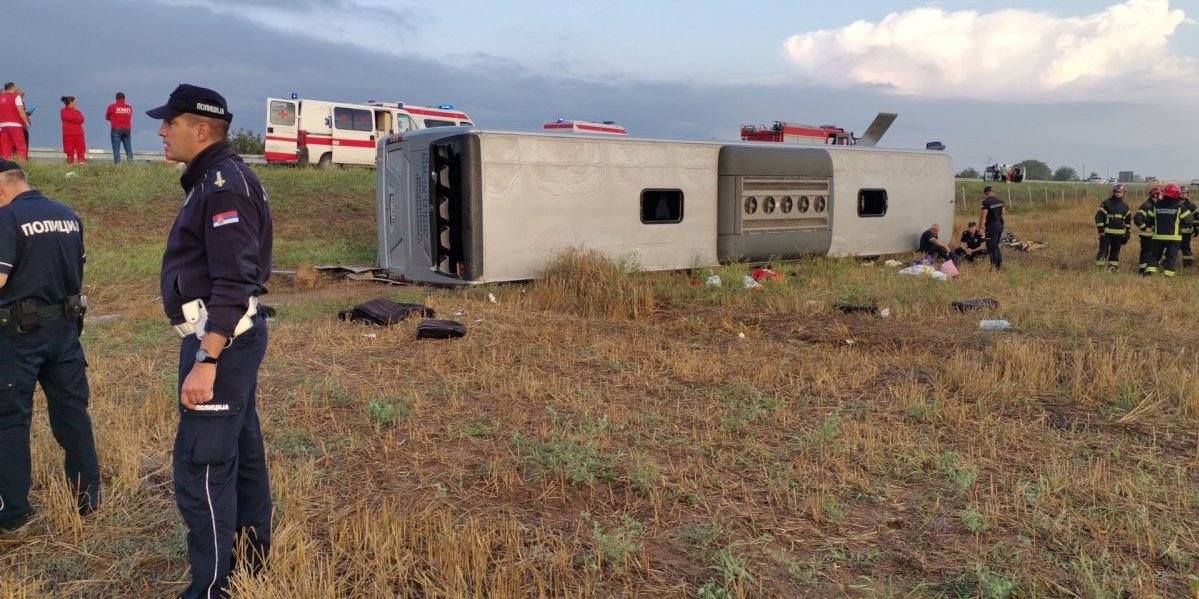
(994, 325)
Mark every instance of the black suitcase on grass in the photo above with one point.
(431, 328)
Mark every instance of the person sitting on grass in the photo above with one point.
(972, 244)
(930, 245)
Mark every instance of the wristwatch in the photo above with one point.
(203, 357)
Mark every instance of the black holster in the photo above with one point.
(75, 307)
(28, 318)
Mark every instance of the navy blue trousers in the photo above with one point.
(49, 355)
(221, 482)
(994, 233)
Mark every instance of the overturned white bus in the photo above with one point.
(464, 205)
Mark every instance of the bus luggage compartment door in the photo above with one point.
(774, 202)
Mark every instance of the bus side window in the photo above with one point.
(661, 206)
(872, 202)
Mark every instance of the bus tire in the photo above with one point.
(326, 160)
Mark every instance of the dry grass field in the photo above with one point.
(602, 433)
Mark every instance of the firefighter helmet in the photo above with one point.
(1155, 190)
(1172, 191)
(1184, 190)
(1118, 188)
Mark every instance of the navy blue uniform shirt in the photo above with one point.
(926, 242)
(41, 250)
(994, 208)
(972, 240)
(219, 249)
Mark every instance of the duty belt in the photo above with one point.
(27, 314)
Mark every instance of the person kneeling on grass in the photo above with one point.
(972, 245)
(930, 245)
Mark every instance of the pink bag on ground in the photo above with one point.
(950, 269)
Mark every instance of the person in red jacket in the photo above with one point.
(13, 121)
(120, 115)
(72, 131)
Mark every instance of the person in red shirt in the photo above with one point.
(120, 115)
(72, 131)
(13, 121)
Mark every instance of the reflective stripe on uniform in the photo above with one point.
(216, 544)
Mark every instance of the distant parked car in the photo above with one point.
(1194, 182)
(1095, 180)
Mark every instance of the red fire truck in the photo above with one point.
(785, 132)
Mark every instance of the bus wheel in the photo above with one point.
(326, 161)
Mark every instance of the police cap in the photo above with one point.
(988, 188)
(8, 165)
(195, 100)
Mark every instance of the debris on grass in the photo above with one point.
(994, 325)
(979, 303)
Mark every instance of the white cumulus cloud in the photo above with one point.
(1000, 55)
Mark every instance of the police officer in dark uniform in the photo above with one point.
(41, 317)
(991, 217)
(216, 264)
(1143, 220)
(1168, 218)
(1188, 230)
(1113, 223)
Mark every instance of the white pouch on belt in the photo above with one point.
(195, 318)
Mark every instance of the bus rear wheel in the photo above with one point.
(326, 161)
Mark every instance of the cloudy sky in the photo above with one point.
(1099, 85)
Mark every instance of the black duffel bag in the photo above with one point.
(384, 312)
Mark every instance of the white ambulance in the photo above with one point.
(568, 126)
(300, 131)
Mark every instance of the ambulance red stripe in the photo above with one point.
(345, 143)
(441, 113)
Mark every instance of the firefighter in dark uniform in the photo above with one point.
(991, 217)
(1143, 221)
(1112, 220)
(1169, 218)
(1188, 230)
(216, 264)
(41, 317)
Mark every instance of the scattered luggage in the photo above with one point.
(440, 329)
(384, 312)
